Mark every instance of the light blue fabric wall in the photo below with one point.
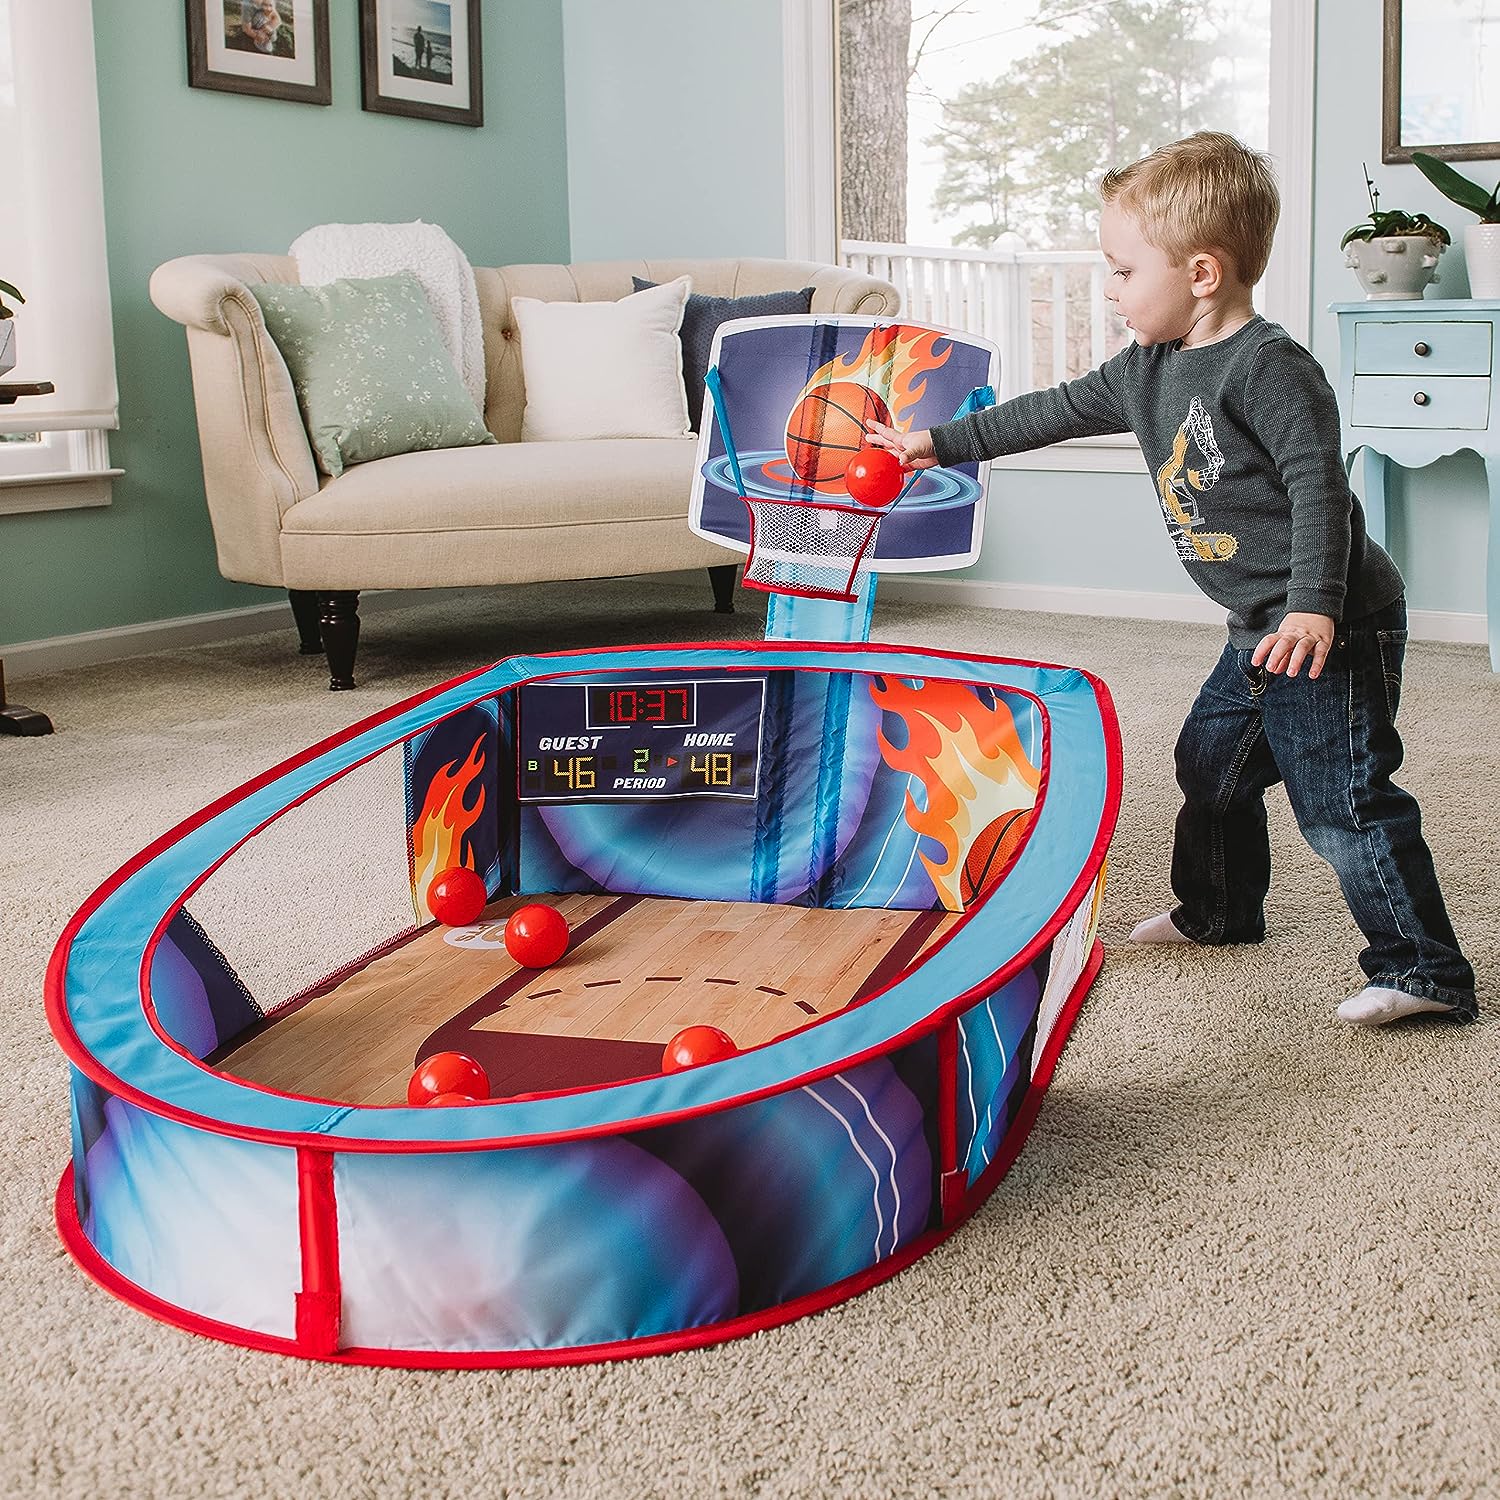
(672, 152)
(189, 170)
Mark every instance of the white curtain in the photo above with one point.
(52, 216)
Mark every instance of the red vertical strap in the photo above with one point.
(951, 1181)
(318, 1302)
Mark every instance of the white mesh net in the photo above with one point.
(802, 547)
(323, 884)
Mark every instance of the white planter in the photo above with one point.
(1482, 252)
(7, 344)
(1396, 268)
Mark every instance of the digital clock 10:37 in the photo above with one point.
(610, 740)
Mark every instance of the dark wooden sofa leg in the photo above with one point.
(723, 580)
(338, 618)
(305, 613)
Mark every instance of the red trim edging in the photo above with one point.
(320, 1301)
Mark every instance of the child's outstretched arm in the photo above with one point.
(1090, 406)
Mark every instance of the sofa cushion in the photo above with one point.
(507, 514)
(504, 487)
(603, 369)
(372, 375)
(700, 321)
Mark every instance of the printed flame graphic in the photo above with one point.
(893, 361)
(968, 757)
(438, 834)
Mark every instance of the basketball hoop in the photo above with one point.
(811, 548)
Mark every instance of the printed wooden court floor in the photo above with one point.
(638, 969)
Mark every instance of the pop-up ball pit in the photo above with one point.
(648, 1214)
(876, 869)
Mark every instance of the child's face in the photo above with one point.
(1159, 301)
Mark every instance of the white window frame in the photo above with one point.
(810, 81)
(65, 468)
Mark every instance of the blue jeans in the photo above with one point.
(1333, 741)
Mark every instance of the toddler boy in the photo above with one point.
(1241, 430)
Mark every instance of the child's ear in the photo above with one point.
(1207, 273)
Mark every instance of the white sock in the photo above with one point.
(1374, 1006)
(1159, 929)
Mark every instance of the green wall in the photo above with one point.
(191, 170)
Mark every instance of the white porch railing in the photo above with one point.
(1044, 308)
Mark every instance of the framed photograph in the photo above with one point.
(276, 48)
(1442, 81)
(422, 58)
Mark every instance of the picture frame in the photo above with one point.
(423, 59)
(1428, 103)
(277, 49)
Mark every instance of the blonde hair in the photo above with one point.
(1208, 192)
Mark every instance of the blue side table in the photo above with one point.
(1417, 382)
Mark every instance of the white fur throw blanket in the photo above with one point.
(330, 251)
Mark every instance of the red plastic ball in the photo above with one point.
(696, 1045)
(447, 1073)
(874, 476)
(457, 897)
(536, 935)
(446, 1099)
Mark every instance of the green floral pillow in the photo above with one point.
(372, 374)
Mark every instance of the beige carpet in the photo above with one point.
(1247, 1251)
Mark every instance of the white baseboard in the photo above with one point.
(1441, 625)
(1119, 604)
(34, 658)
(88, 648)
(1128, 604)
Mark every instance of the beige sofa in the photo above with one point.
(510, 513)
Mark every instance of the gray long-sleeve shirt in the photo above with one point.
(1242, 437)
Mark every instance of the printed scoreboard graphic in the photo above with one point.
(612, 740)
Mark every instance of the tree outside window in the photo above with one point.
(986, 125)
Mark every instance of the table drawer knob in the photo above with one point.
(1421, 398)
(1421, 349)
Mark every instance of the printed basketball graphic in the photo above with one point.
(827, 428)
(989, 853)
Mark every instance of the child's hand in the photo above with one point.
(914, 449)
(1299, 638)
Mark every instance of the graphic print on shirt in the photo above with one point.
(1178, 488)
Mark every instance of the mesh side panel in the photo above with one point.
(320, 886)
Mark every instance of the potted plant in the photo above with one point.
(1481, 240)
(1394, 253)
(7, 327)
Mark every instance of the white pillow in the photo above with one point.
(604, 369)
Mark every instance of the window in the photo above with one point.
(54, 451)
(971, 138)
